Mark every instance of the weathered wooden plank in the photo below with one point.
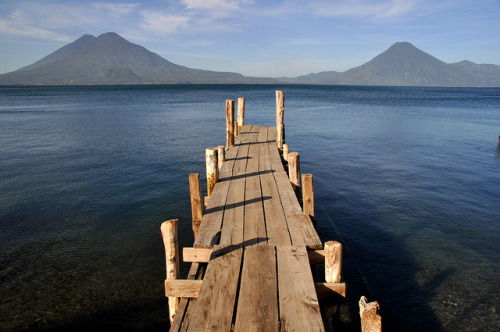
(208, 233)
(196, 255)
(195, 272)
(299, 307)
(215, 304)
(258, 299)
(302, 231)
(254, 227)
(327, 289)
(182, 288)
(232, 227)
(276, 225)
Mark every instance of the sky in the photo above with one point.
(269, 38)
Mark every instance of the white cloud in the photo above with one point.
(161, 23)
(62, 21)
(363, 8)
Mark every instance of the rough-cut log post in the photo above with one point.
(371, 321)
(308, 194)
(169, 234)
(241, 113)
(196, 207)
(285, 152)
(212, 169)
(294, 171)
(229, 123)
(333, 261)
(236, 129)
(280, 110)
(221, 155)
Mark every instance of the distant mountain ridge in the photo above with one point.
(110, 59)
(405, 65)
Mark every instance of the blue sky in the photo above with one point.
(254, 37)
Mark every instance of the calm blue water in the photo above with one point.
(408, 179)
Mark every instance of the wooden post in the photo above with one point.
(169, 234)
(307, 194)
(212, 169)
(371, 321)
(241, 113)
(236, 129)
(333, 261)
(196, 207)
(280, 110)
(221, 155)
(294, 171)
(285, 152)
(229, 123)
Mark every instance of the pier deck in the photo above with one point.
(253, 250)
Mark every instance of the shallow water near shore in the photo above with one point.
(408, 179)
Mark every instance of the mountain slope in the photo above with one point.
(110, 59)
(403, 64)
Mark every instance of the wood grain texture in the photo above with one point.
(258, 299)
(229, 123)
(299, 307)
(371, 321)
(214, 307)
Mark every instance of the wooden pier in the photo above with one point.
(255, 240)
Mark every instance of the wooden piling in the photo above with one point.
(294, 171)
(333, 261)
(307, 194)
(241, 113)
(221, 155)
(285, 152)
(212, 169)
(196, 207)
(169, 235)
(236, 129)
(229, 123)
(371, 321)
(280, 110)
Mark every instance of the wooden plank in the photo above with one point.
(195, 272)
(316, 256)
(215, 304)
(302, 231)
(182, 288)
(258, 299)
(276, 225)
(254, 227)
(232, 225)
(196, 255)
(328, 289)
(209, 231)
(299, 307)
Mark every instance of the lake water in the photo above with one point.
(408, 179)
